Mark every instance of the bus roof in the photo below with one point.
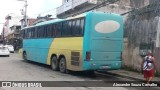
(49, 22)
(58, 20)
(45, 23)
(69, 18)
(78, 16)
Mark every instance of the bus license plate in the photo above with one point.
(104, 67)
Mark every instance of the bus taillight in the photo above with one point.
(88, 56)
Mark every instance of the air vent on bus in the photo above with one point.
(75, 56)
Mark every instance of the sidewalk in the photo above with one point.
(130, 75)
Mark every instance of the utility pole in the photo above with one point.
(25, 16)
(3, 36)
(25, 12)
(3, 33)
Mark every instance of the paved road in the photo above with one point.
(14, 68)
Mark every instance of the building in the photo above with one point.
(30, 22)
(43, 19)
(1, 39)
(14, 36)
(11, 23)
(12, 29)
(74, 7)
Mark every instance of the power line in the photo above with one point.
(98, 5)
(102, 4)
(46, 11)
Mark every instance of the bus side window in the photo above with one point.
(42, 33)
(38, 32)
(73, 27)
(76, 27)
(69, 31)
(45, 31)
(64, 24)
(58, 29)
(35, 34)
(49, 31)
(54, 33)
(66, 31)
(26, 33)
(82, 26)
(29, 33)
(70, 27)
(32, 32)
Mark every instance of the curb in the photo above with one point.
(123, 76)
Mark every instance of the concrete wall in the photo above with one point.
(141, 30)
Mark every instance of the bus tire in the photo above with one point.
(62, 65)
(90, 73)
(54, 63)
(25, 56)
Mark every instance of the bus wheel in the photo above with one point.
(90, 73)
(62, 65)
(54, 63)
(25, 56)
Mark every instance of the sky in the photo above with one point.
(34, 8)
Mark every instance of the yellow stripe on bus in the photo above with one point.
(64, 46)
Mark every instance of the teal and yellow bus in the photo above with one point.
(87, 42)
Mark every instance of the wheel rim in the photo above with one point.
(62, 65)
(54, 63)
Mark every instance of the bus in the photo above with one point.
(87, 42)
